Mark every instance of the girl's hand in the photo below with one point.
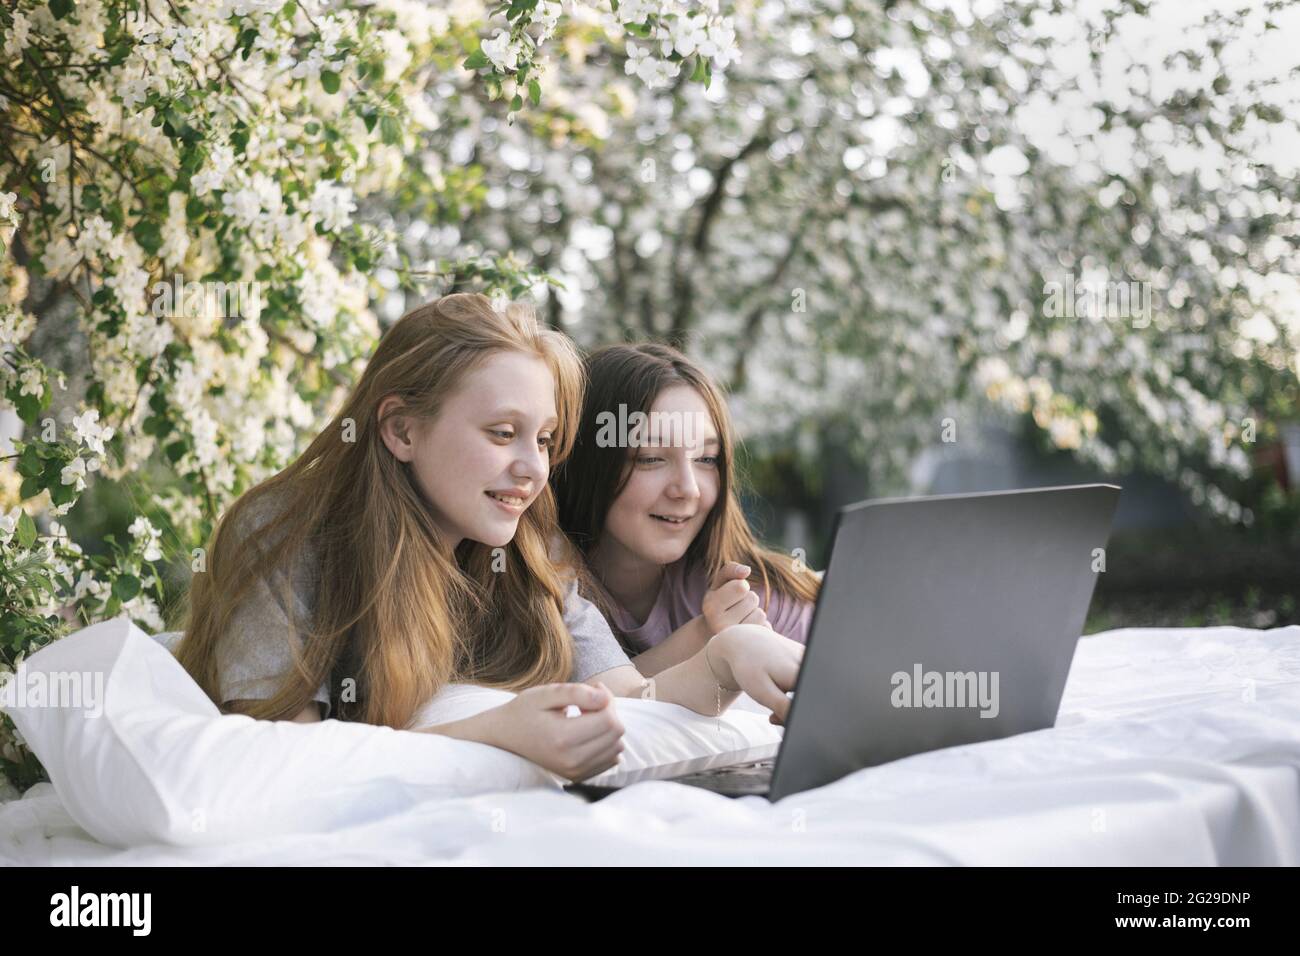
(730, 601)
(759, 661)
(534, 726)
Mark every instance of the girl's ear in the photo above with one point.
(396, 431)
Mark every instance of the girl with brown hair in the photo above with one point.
(649, 498)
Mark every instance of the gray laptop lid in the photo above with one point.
(934, 611)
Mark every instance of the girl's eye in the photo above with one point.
(647, 459)
(546, 441)
(710, 460)
(502, 434)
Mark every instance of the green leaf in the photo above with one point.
(517, 103)
(330, 81)
(700, 73)
(61, 494)
(28, 406)
(390, 130)
(29, 462)
(534, 92)
(126, 587)
(476, 60)
(26, 531)
(61, 8)
(119, 51)
(149, 235)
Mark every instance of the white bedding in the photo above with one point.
(1173, 747)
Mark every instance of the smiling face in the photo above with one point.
(673, 485)
(486, 456)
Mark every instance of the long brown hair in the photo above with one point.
(398, 615)
(594, 476)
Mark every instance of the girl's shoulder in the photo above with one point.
(566, 559)
(257, 509)
(252, 529)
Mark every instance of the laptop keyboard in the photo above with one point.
(760, 768)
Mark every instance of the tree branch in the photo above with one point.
(755, 317)
(684, 277)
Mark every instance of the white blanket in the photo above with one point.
(1172, 747)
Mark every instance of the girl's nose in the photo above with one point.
(683, 484)
(532, 464)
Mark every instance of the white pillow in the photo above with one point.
(654, 732)
(161, 764)
(153, 760)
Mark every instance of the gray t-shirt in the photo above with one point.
(255, 654)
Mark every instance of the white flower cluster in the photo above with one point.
(323, 55)
(9, 523)
(146, 538)
(507, 49)
(677, 28)
(90, 437)
(16, 40)
(15, 324)
(333, 205)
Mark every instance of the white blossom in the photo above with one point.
(74, 473)
(333, 205)
(501, 52)
(87, 430)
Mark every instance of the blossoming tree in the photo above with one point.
(180, 196)
(870, 225)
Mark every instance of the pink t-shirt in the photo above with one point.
(681, 598)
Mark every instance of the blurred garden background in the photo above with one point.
(928, 247)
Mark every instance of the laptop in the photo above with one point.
(941, 621)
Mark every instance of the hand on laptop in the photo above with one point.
(731, 601)
(761, 662)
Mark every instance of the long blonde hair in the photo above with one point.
(397, 615)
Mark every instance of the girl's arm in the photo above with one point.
(729, 601)
(681, 645)
(537, 726)
(747, 657)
